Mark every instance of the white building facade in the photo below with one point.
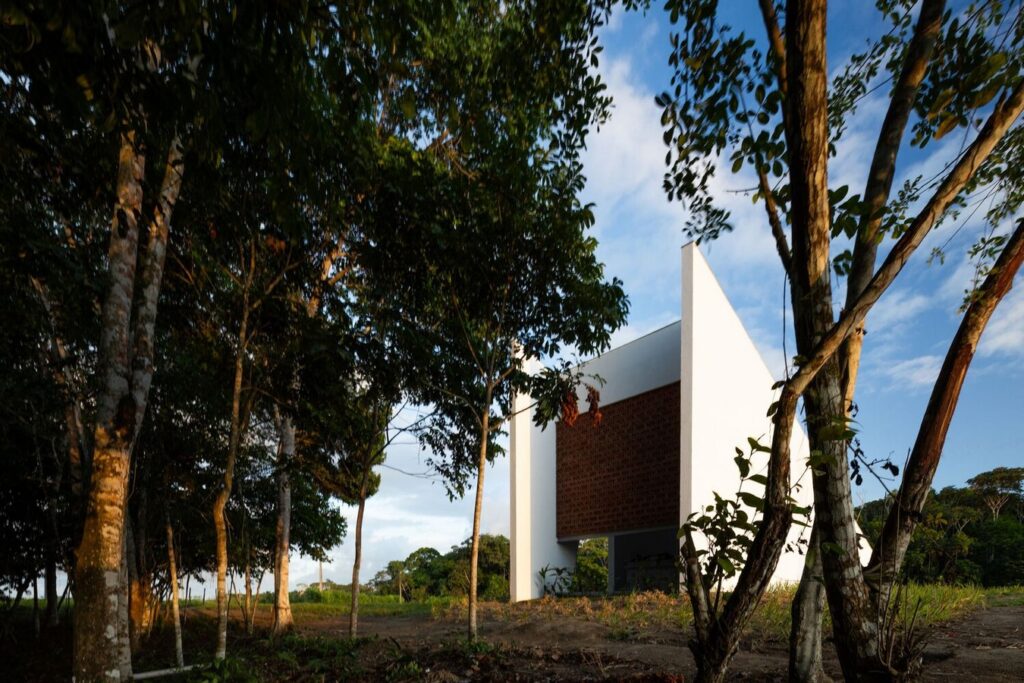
(676, 404)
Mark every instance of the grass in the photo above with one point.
(628, 617)
(337, 603)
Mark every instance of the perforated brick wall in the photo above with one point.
(622, 475)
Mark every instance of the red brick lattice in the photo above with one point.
(622, 475)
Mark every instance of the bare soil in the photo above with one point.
(986, 646)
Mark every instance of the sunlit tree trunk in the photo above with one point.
(100, 556)
(101, 644)
(172, 574)
(353, 616)
(282, 542)
(805, 660)
(888, 554)
(221, 501)
(478, 504)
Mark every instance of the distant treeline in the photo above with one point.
(427, 573)
(971, 534)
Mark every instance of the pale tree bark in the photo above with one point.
(853, 607)
(101, 643)
(888, 554)
(353, 615)
(100, 555)
(172, 574)
(123, 616)
(247, 604)
(221, 501)
(481, 468)
(808, 141)
(805, 658)
(282, 541)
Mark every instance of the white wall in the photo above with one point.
(725, 393)
(532, 528)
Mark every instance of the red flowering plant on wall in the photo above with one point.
(570, 408)
(556, 398)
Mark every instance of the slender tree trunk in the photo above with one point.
(220, 503)
(282, 544)
(807, 610)
(247, 605)
(123, 623)
(807, 629)
(353, 615)
(172, 574)
(478, 505)
(256, 598)
(100, 556)
(888, 554)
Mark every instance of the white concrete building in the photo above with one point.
(676, 405)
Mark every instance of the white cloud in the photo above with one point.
(897, 308)
(1005, 332)
(914, 372)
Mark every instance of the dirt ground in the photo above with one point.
(986, 646)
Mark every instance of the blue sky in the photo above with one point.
(640, 234)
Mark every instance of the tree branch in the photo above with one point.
(905, 512)
(882, 171)
(999, 122)
(778, 48)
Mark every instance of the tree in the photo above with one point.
(997, 487)
(591, 575)
(509, 265)
(772, 109)
(109, 75)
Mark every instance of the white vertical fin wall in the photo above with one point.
(533, 543)
(725, 393)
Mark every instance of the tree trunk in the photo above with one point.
(474, 554)
(807, 610)
(125, 370)
(805, 641)
(172, 574)
(282, 542)
(123, 617)
(100, 555)
(247, 614)
(221, 502)
(353, 615)
(887, 556)
(220, 529)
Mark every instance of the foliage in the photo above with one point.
(959, 541)
(427, 573)
(591, 575)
